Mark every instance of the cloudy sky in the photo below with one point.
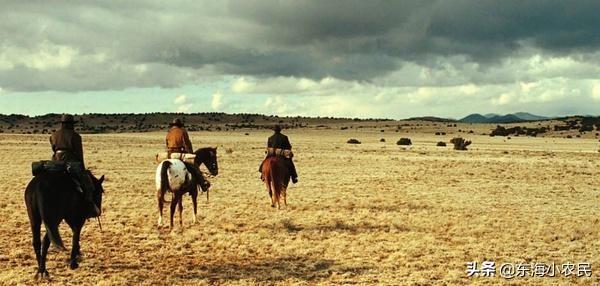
(391, 59)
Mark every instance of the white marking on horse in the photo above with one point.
(178, 176)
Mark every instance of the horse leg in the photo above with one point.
(284, 194)
(44, 253)
(36, 222)
(270, 189)
(75, 249)
(195, 204)
(161, 202)
(275, 196)
(175, 199)
(180, 207)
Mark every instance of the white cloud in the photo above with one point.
(469, 89)
(505, 98)
(185, 108)
(241, 85)
(596, 91)
(276, 104)
(181, 99)
(217, 101)
(46, 56)
(182, 103)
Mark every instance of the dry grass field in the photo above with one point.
(374, 213)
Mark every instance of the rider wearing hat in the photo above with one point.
(67, 146)
(178, 141)
(280, 141)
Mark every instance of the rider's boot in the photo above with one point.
(85, 186)
(293, 172)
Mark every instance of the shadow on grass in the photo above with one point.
(338, 225)
(271, 270)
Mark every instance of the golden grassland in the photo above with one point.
(374, 213)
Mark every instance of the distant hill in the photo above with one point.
(210, 121)
(432, 118)
(490, 115)
(494, 118)
(529, 116)
(474, 118)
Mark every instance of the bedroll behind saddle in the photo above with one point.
(54, 167)
(280, 152)
(185, 157)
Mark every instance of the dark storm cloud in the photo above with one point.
(100, 45)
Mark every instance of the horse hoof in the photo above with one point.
(272, 205)
(73, 265)
(42, 275)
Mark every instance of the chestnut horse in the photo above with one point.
(276, 176)
(175, 176)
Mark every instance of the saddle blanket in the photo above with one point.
(54, 166)
(280, 152)
(185, 157)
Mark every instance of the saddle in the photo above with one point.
(280, 152)
(47, 166)
(185, 157)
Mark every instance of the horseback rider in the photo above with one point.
(280, 141)
(67, 146)
(178, 141)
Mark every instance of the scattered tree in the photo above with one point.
(404, 141)
(460, 143)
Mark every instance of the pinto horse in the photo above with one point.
(276, 176)
(51, 197)
(175, 176)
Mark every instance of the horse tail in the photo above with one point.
(275, 180)
(51, 228)
(54, 235)
(267, 175)
(35, 194)
(164, 179)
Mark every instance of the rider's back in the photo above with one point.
(67, 146)
(278, 140)
(178, 140)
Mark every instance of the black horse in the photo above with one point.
(178, 187)
(51, 197)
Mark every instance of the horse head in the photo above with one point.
(208, 157)
(98, 190)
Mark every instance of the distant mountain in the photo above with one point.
(490, 115)
(508, 118)
(494, 118)
(433, 119)
(529, 116)
(474, 118)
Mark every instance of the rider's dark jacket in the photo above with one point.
(66, 145)
(280, 141)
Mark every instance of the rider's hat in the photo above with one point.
(67, 119)
(176, 122)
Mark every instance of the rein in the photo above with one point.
(99, 223)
